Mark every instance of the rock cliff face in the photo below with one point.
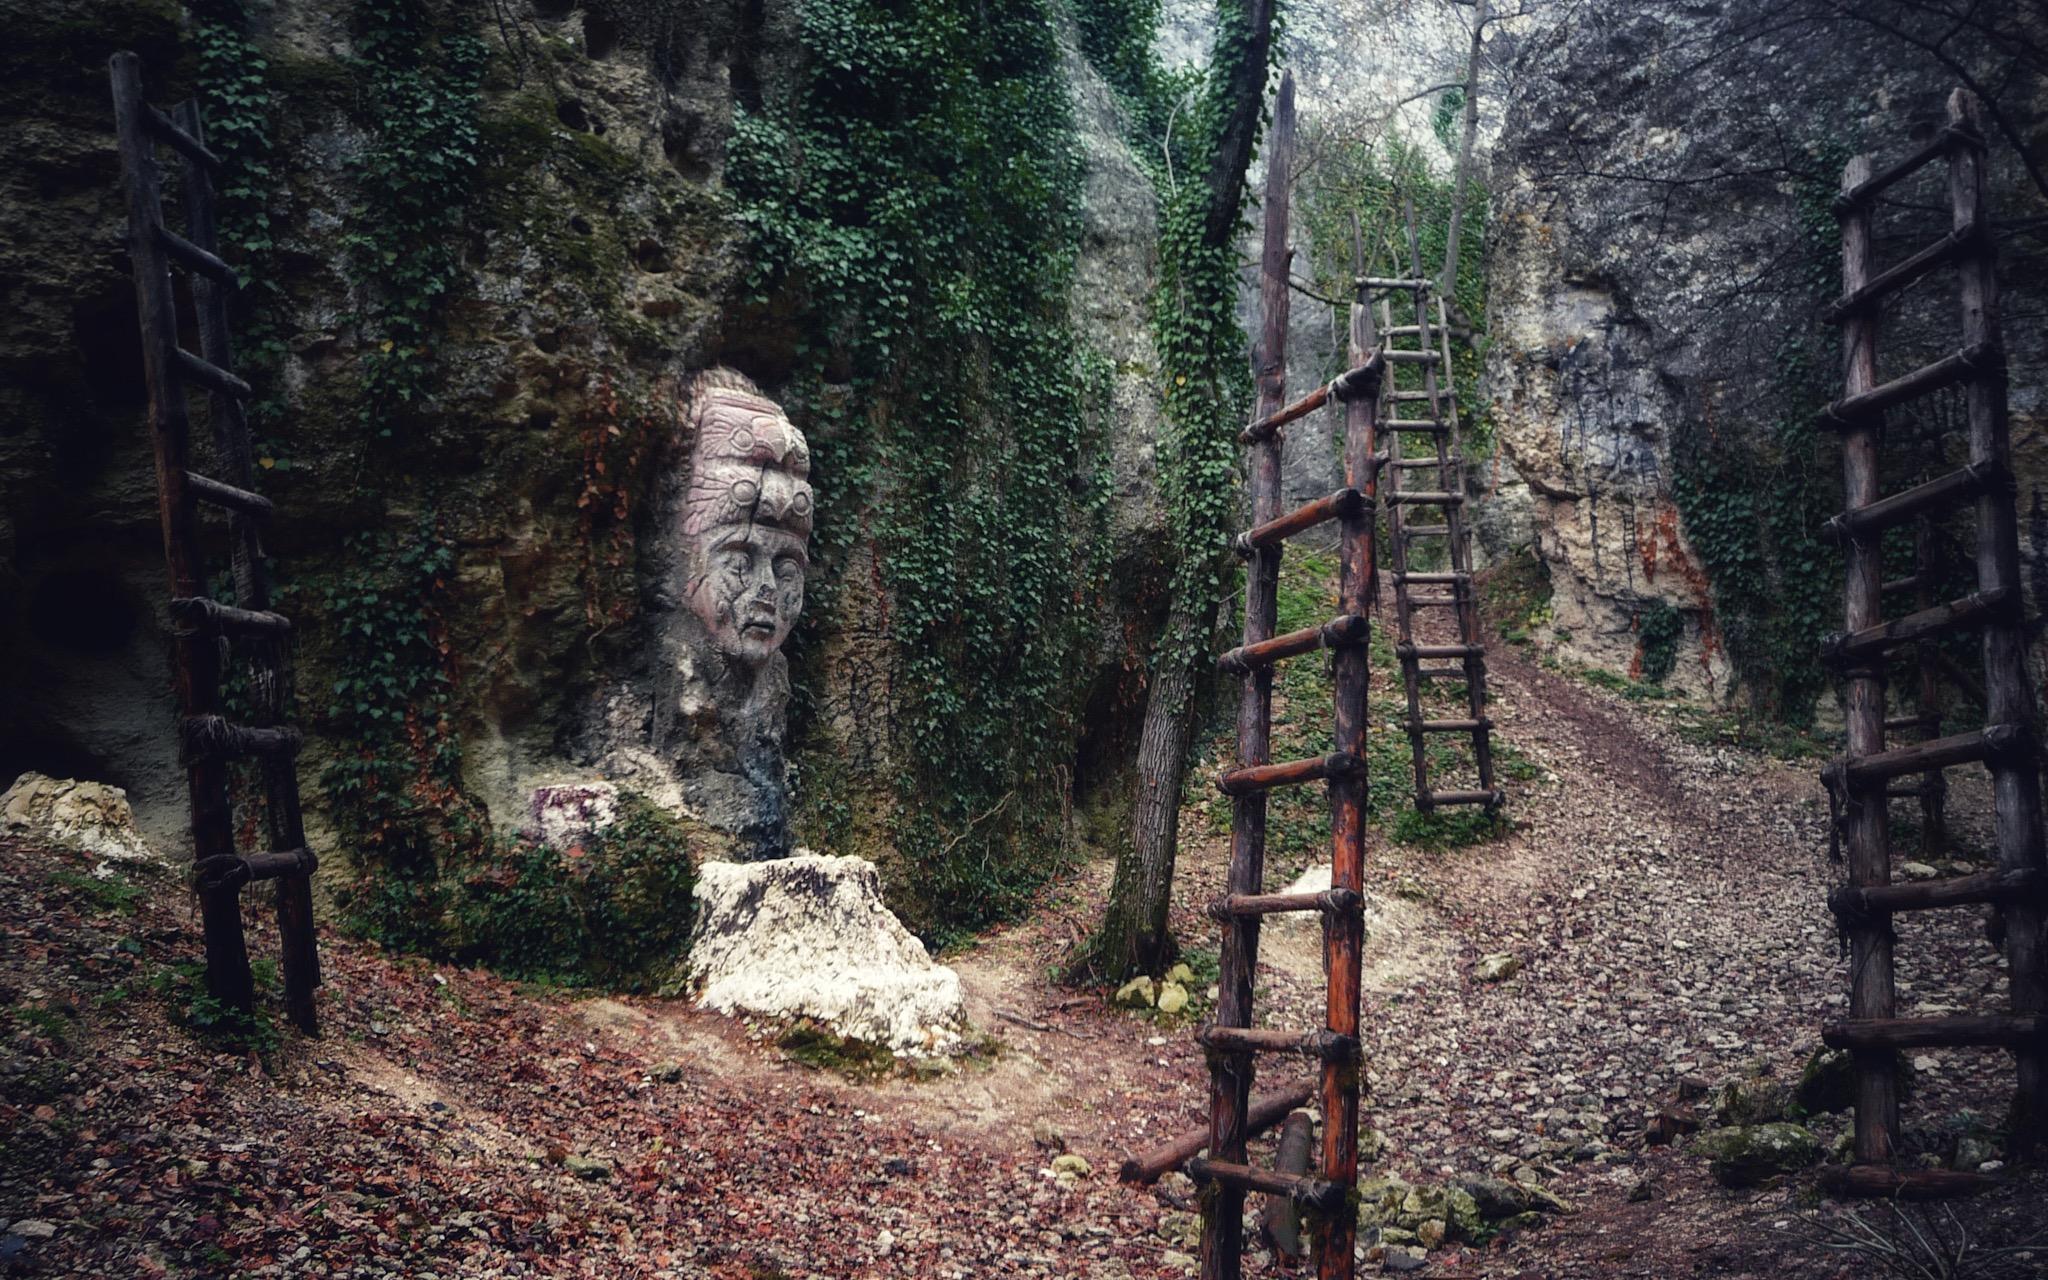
(598, 266)
(1660, 251)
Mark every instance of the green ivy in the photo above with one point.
(237, 105)
(1754, 506)
(393, 785)
(418, 84)
(1659, 628)
(914, 205)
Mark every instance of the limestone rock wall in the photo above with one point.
(1657, 252)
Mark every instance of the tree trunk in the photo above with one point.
(1135, 938)
(1461, 175)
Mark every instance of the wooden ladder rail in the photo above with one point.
(2009, 745)
(1230, 1038)
(209, 742)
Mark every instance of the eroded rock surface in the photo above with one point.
(90, 817)
(808, 937)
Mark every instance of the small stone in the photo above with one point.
(885, 1242)
(588, 1168)
(1069, 1169)
(667, 1072)
(1497, 967)
(1046, 1134)
(1406, 1257)
(1431, 1233)
(1173, 997)
(1182, 975)
(1138, 993)
(1918, 871)
(34, 1229)
(1644, 1189)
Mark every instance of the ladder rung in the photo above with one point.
(1391, 282)
(1352, 384)
(2021, 884)
(1902, 584)
(1418, 602)
(1925, 757)
(1265, 777)
(1417, 428)
(1416, 464)
(1407, 652)
(1344, 629)
(1437, 799)
(1267, 1110)
(208, 489)
(1341, 505)
(1935, 149)
(1886, 513)
(1424, 498)
(1413, 357)
(201, 736)
(1450, 726)
(1932, 1033)
(1327, 1045)
(1410, 397)
(1979, 357)
(233, 870)
(1912, 722)
(211, 377)
(1969, 611)
(1945, 250)
(1238, 905)
(1452, 576)
(1440, 673)
(1425, 530)
(1310, 1193)
(168, 132)
(1903, 1184)
(199, 611)
(195, 257)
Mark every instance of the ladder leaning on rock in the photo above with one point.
(1440, 467)
(2009, 745)
(203, 627)
(1235, 1117)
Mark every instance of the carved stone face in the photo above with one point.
(747, 518)
(751, 588)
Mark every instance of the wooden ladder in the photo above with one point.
(206, 630)
(2009, 745)
(1440, 468)
(1327, 1196)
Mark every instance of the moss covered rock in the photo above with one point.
(1750, 1155)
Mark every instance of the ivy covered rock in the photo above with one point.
(1750, 1155)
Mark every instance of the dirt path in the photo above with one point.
(1663, 900)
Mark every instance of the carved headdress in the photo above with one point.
(750, 465)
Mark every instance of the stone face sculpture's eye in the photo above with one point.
(735, 561)
(745, 493)
(787, 568)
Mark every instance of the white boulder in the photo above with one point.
(91, 817)
(808, 937)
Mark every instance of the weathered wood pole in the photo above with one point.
(1344, 931)
(1231, 1071)
(1864, 819)
(2015, 778)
